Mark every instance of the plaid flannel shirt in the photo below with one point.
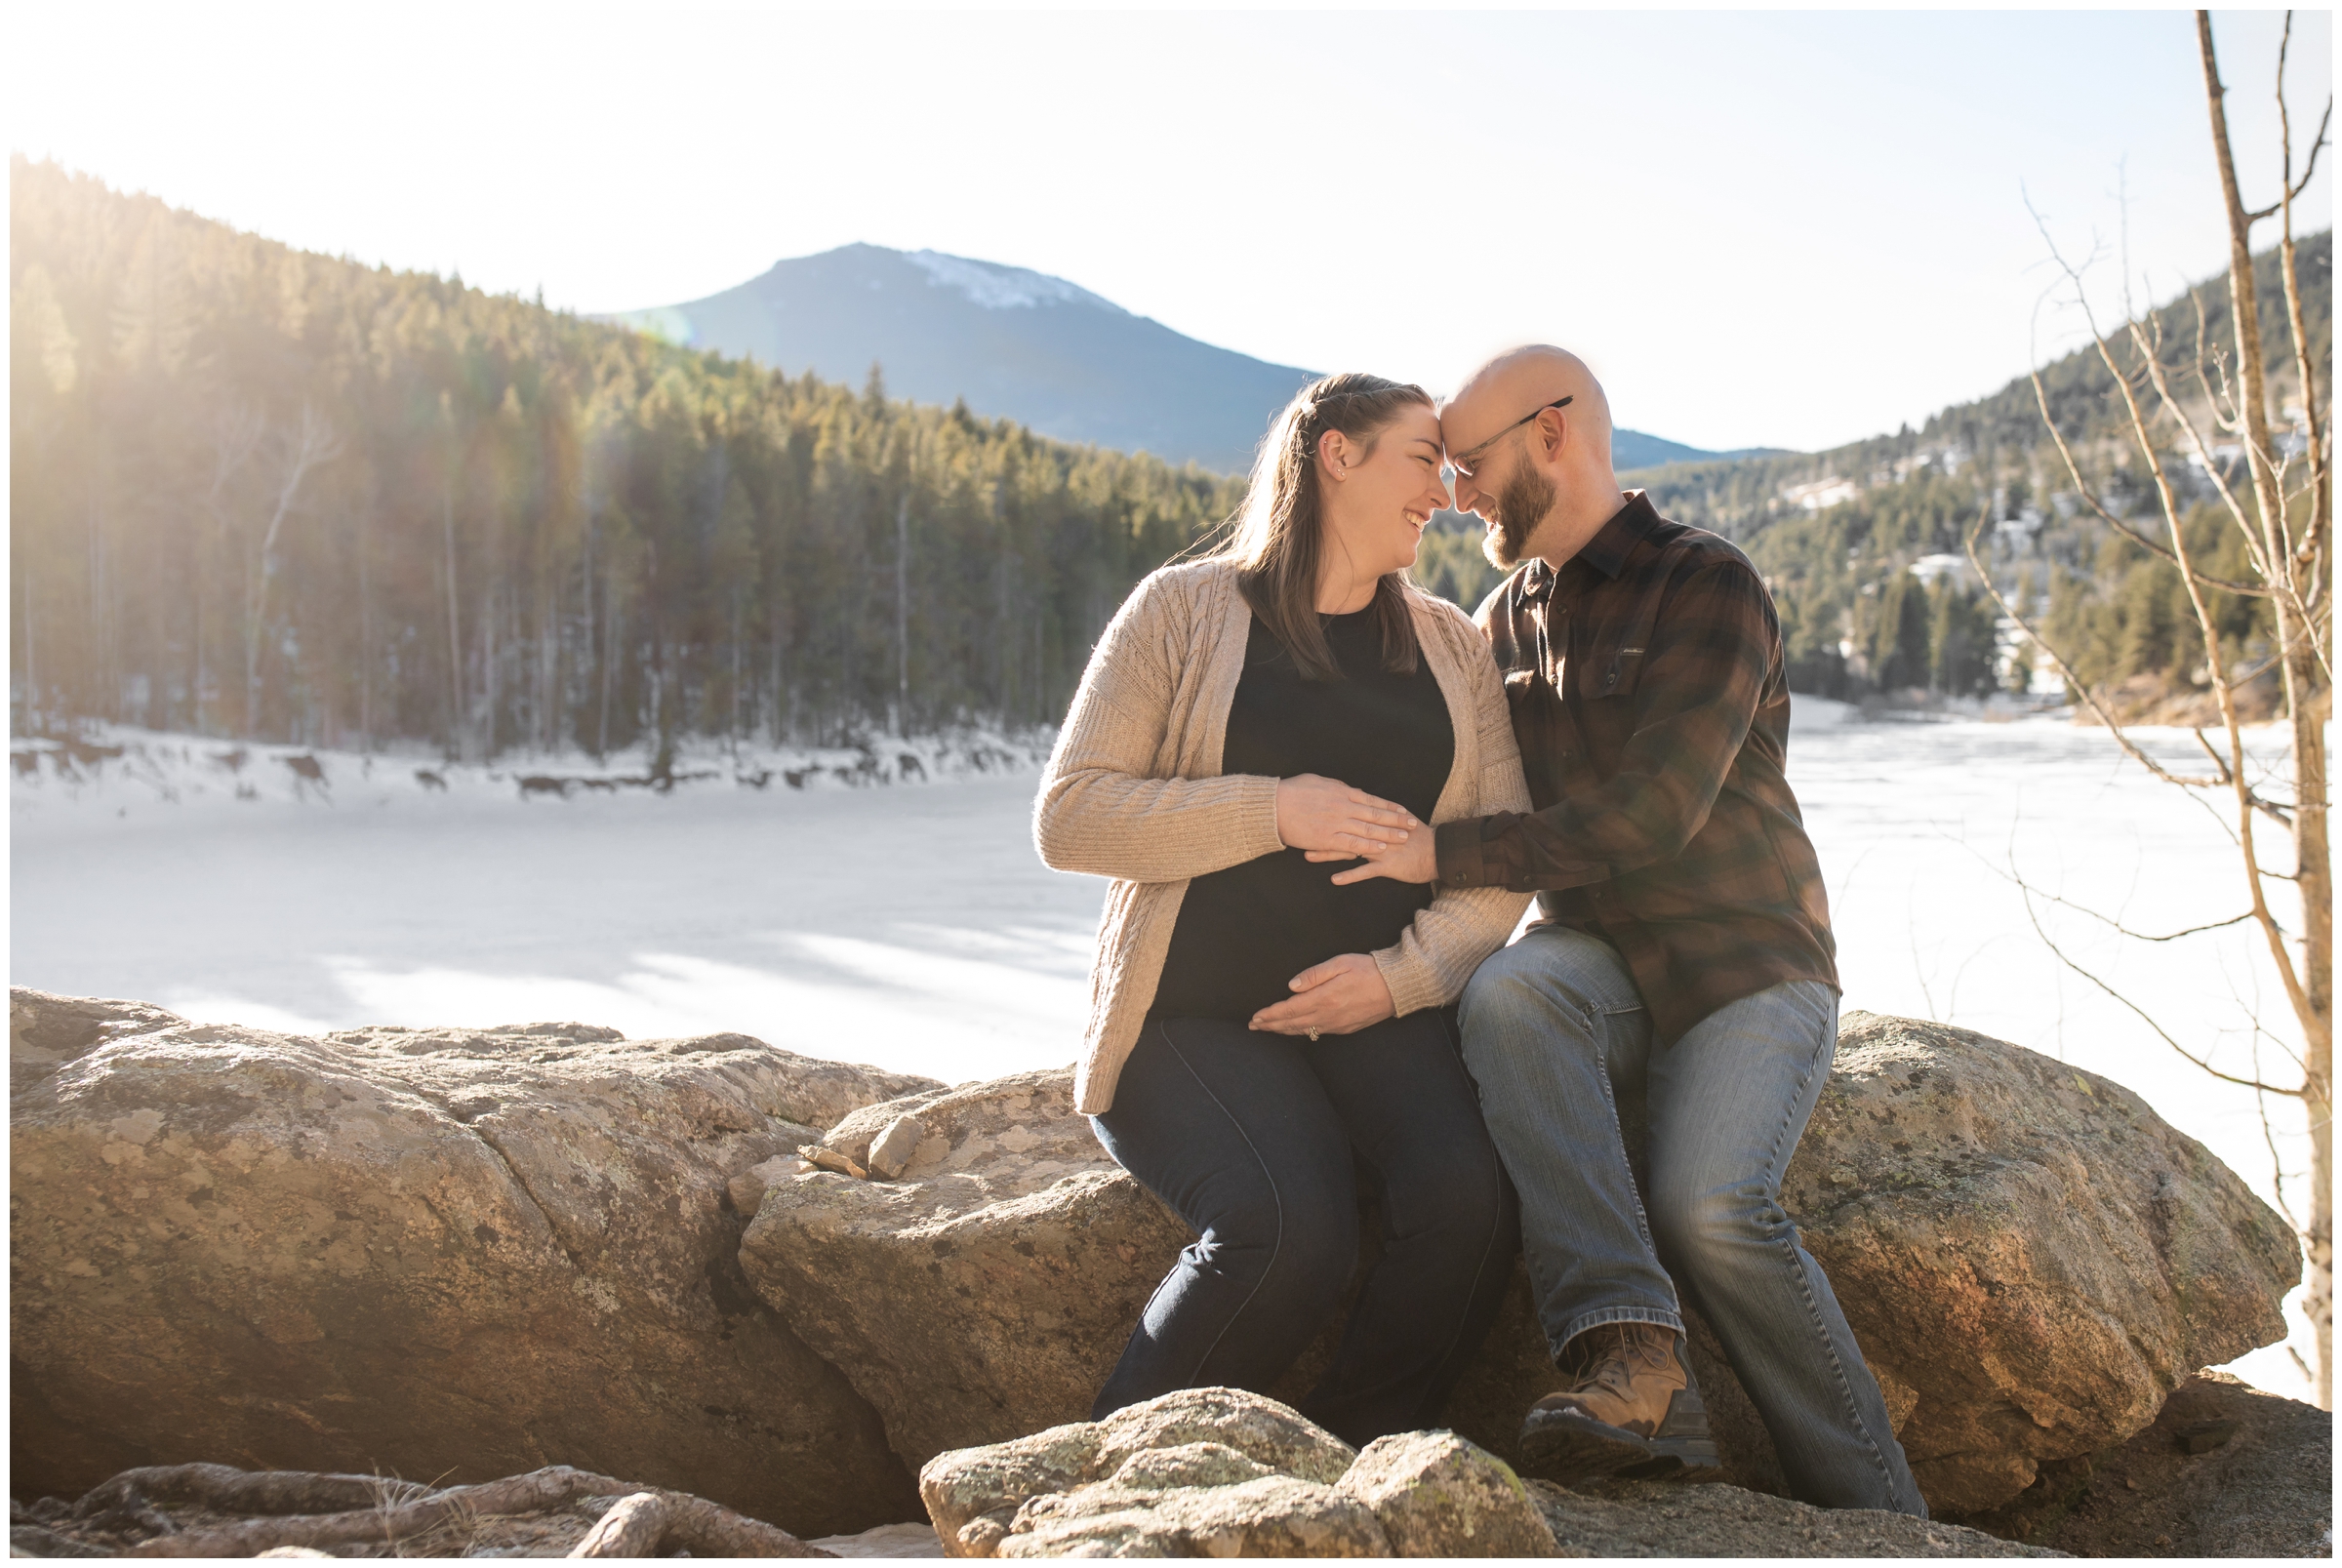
(1646, 688)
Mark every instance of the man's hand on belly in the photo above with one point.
(1415, 860)
(1340, 997)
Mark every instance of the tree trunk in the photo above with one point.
(2298, 663)
(454, 635)
(489, 626)
(632, 1528)
(781, 702)
(195, 689)
(2313, 551)
(32, 665)
(902, 617)
(592, 649)
(694, 1523)
(548, 663)
(365, 636)
(256, 585)
(105, 677)
(739, 610)
(601, 735)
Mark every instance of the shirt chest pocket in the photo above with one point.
(1613, 651)
(1611, 668)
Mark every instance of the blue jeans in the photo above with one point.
(1254, 1139)
(1552, 1025)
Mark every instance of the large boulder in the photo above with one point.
(2029, 1248)
(987, 1292)
(2031, 1259)
(446, 1255)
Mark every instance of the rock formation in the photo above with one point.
(2029, 1248)
(444, 1255)
(2030, 1258)
(983, 1295)
(1438, 1496)
(2227, 1471)
(456, 1255)
(1653, 1519)
(1217, 1472)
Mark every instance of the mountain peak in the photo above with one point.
(1008, 341)
(1011, 341)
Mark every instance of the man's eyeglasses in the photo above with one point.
(1465, 462)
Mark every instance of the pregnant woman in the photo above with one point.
(1261, 1040)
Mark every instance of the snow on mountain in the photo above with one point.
(1003, 288)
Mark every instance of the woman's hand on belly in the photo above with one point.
(1340, 997)
(1316, 813)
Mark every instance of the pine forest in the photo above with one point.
(271, 494)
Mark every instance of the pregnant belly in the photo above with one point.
(1245, 932)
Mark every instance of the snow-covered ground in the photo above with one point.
(893, 914)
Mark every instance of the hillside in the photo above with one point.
(265, 494)
(1997, 433)
(1012, 343)
(1861, 543)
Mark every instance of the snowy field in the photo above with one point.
(905, 920)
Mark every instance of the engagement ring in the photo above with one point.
(1313, 1034)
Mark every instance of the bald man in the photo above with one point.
(1681, 959)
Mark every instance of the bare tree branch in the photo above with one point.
(2119, 525)
(2223, 690)
(2017, 879)
(2065, 672)
(2143, 1015)
(2268, 807)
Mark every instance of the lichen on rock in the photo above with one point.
(1436, 1495)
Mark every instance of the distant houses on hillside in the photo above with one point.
(1821, 493)
(1830, 490)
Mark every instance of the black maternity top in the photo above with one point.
(1244, 932)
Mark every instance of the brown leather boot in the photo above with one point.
(1631, 1412)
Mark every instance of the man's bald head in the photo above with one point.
(1517, 380)
(1539, 474)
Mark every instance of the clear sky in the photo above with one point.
(1763, 228)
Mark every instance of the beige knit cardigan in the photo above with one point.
(1134, 793)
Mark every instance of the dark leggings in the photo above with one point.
(1251, 1138)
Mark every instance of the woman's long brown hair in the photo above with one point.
(1279, 538)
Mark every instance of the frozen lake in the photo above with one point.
(913, 927)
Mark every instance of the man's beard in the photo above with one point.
(1520, 507)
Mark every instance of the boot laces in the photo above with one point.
(1616, 1353)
